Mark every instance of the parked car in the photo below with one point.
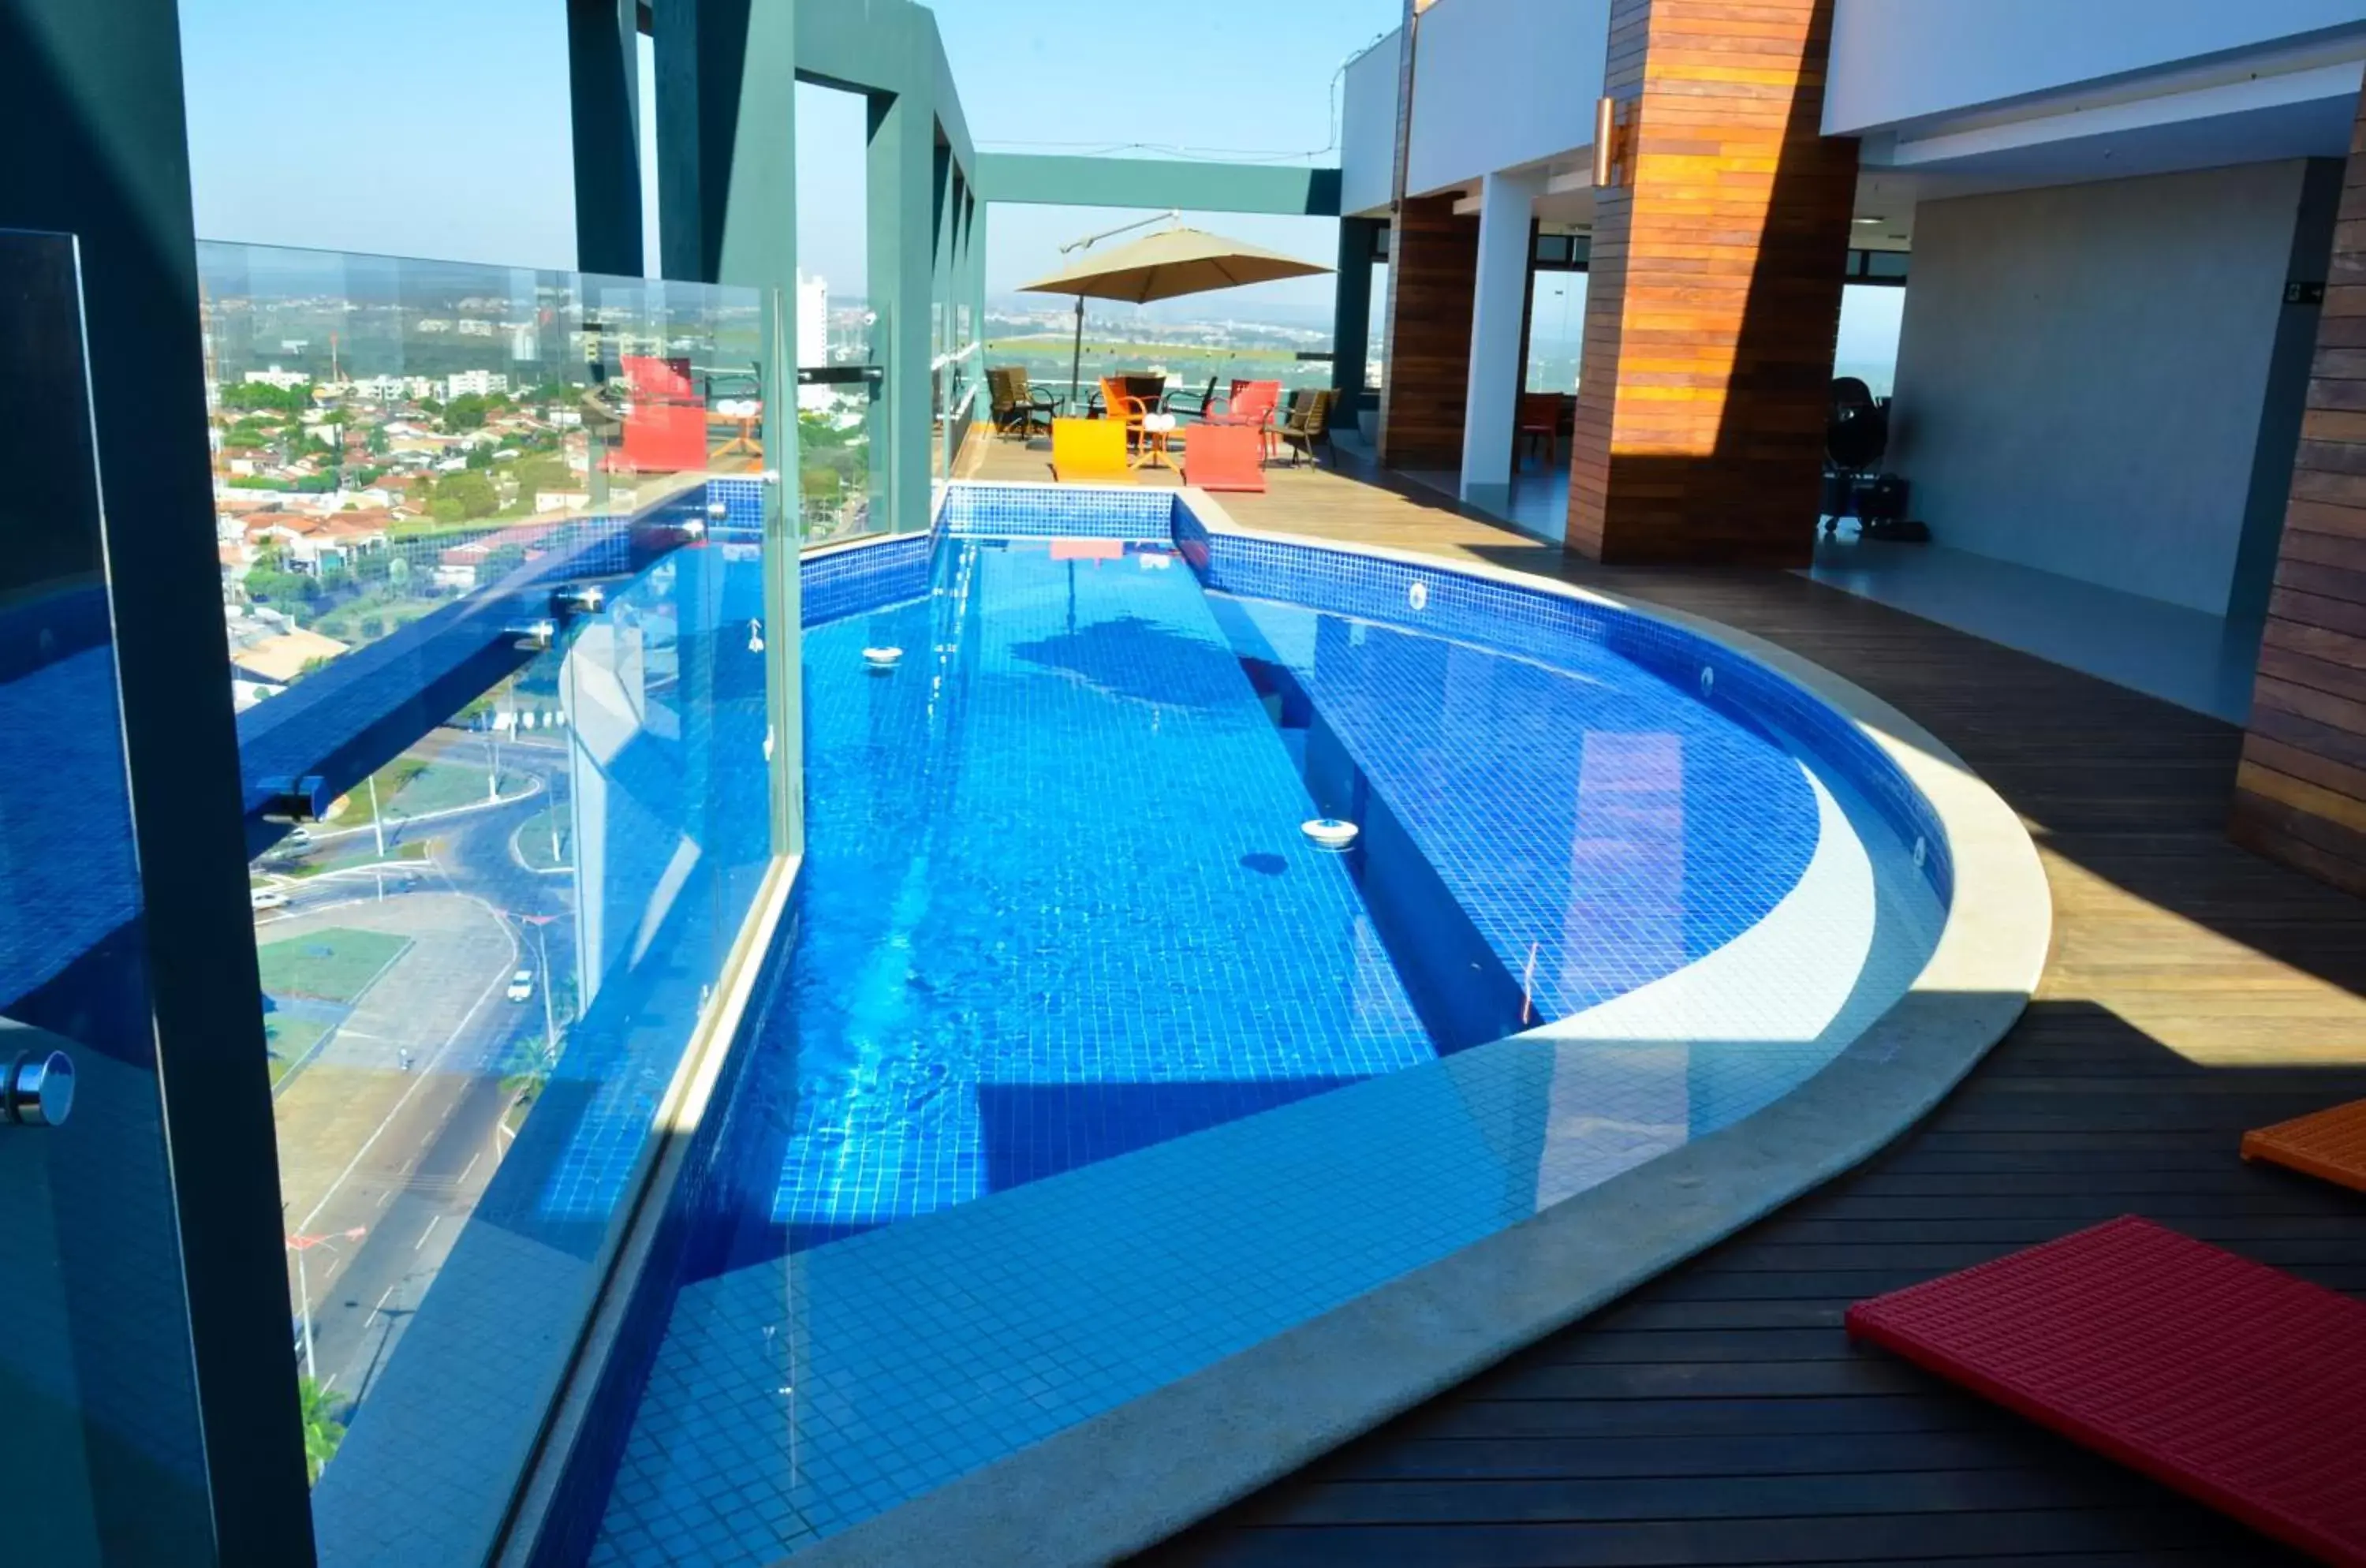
(522, 986)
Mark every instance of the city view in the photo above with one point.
(397, 443)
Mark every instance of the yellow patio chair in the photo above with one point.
(1089, 451)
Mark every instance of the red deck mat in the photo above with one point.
(2231, 1381)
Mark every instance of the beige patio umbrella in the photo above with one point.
(1165, 265)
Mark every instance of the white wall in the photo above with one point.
(1368, 129)
(1902, 59)
(2082, 370)
(1503, 83)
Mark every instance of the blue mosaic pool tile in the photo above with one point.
(1548, 626)
(743, 504)
(1179, 1192)
(1085, 511)
(848, 582)
(1055, 896)
(1601, 829)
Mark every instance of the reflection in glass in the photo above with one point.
(392, 434)
(484, 962)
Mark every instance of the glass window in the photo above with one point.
(1871, 315)
(1556, 330)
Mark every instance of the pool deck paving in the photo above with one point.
(1719, 1414)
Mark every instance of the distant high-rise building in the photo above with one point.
(813, 335)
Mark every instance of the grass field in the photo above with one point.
(335, 965)
(288, 1039)
(534, 840)
(439, 787)
(355, 852)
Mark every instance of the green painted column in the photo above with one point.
(172, 1259)
(902, 253)
(726, 174)
(603, 79)
(700, 50)
(756, 247)
(1351, 312)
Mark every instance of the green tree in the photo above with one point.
(470, 491)
(248, 395)
(541, 473)
(324, 1424)
(464, 413)
(481, 456)
(376, 442)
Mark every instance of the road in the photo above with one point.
(392, 1128)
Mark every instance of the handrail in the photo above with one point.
(340, 724)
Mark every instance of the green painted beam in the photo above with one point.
(884, 45)
(603, 79)
(1154, 183)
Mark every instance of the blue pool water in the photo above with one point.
(1057, 904)
(1056, 909)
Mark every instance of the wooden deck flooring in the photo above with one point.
(1719, 1416)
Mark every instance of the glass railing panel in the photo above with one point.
(394, 435)
(99, 1433)
(834, 454)
(485, 960)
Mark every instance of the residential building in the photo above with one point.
(283, 380)
(481, 383)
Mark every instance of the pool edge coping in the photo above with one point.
(1123, 1479)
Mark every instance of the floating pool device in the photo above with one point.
(882, 659)
(1330, 832)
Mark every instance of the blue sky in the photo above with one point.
(439, 128)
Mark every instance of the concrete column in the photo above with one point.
(1498, 320)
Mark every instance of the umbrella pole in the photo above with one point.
(1076, 359)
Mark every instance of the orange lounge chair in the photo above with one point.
(2328, 1145)
(1224, 457)
(1089, 451)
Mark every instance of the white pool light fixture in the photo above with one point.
(882, 659)
(1330, 832)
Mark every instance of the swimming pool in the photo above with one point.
(1060, 940)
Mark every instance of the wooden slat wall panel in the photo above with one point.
(1713, 303)
(2300, 794)
(1425, 392)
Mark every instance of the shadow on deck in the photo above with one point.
(1719, 1416)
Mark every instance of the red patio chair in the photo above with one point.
(1223, 457)
(1539, 421)
(1253, 403)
